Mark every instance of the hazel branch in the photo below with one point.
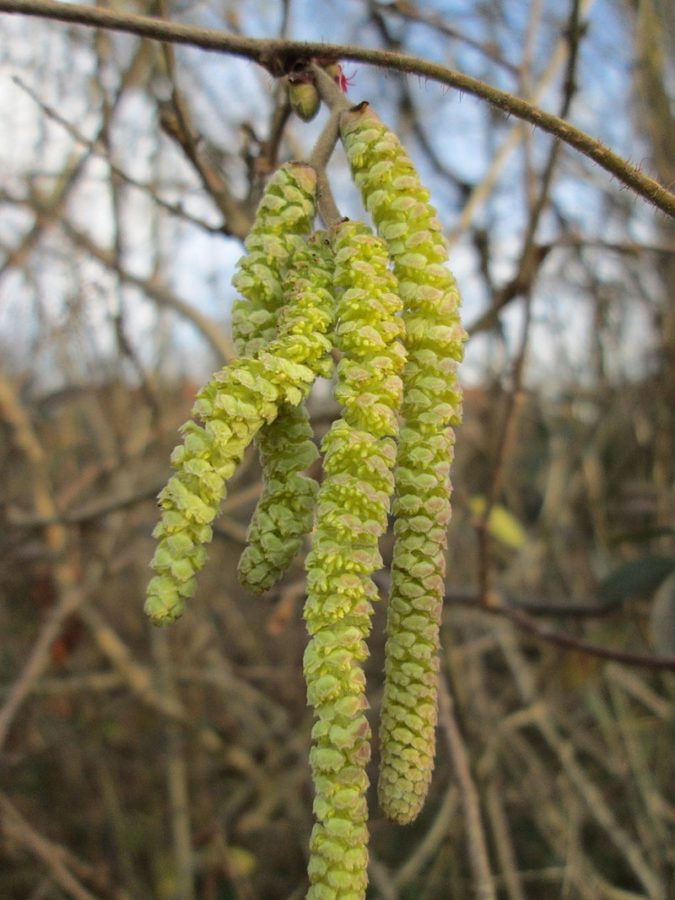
(278, 56)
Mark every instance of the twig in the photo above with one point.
(409, 13)
(524, 621)
(175, 124)
(475, 834)
(51, 855)
(504, 444)
(278, 56)
(38, 658)
(430, 843)
(46, 209)
(381, 879)
(98, 149)
(268, 153)
(71, 594)
(501, 832)
(583, 784)
(501, 606)
(333, 97)
(482, 190)
(157, 291)
(176, 775)
(632, 684)
(140, 681)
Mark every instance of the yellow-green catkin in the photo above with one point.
(400, 208)
(353, 506)
(284, 513)
(233, 406)
(282, 222)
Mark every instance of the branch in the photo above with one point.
(278, 56)
(479, 859)
(523, 615)
(154, 288)
(496, 606)
(53, 856)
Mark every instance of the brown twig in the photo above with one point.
(409, 13)
(325, 145)
(278, 56)
(95, 146)
(483, 884)
(47, 209)
(157, 291)
(51, 855)
(429, 846)
(176, 775)
(591, 795)
(502, 835)
(70, 592)
(566, 641)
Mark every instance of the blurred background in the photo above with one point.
(137, 762)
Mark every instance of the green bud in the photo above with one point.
(304, 99)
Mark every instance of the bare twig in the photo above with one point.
(157, 291)
(411, 14)
(483, 886)
(51, 855)
(527, 623)
(483, 189)
(501, 831)
(71, 594)
(176, 776)
(97, 148)
(585, 787)
(430, 843)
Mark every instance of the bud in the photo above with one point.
(304, 98)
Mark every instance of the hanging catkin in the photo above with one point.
(236, 403)
(284, 513)
(352, 513)
(400, 208)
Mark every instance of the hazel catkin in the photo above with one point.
(359, 453)
(399, 205)
(284, 513)
(233, 406)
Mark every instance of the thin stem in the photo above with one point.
(479, 859)
(331, 94)
(277, 56)
(323, 149)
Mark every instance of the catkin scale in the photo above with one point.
(353, 503)
(400, 208)
(234, 406)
